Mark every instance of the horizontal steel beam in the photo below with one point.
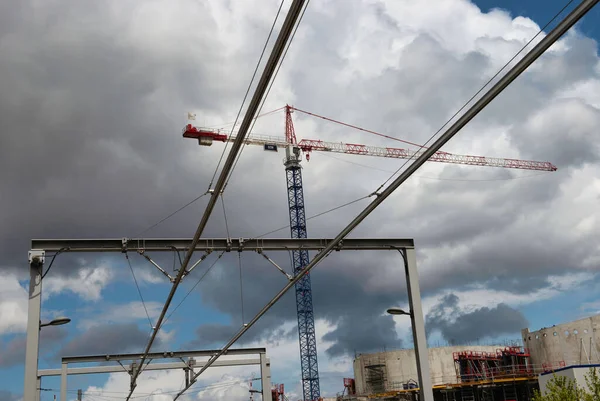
(152, 366)
(216, 244)
(160, 355)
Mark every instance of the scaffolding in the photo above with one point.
(278, 393)
(476, 366)
(515, 361)
(349, 386)
(376, 375)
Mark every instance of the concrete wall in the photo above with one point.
(574, 343)
(401, 366)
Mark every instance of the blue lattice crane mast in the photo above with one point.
(304, 303)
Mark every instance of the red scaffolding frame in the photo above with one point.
(473, 366)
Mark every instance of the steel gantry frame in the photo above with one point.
(187, 362)
(36, 258)
(578, 12)
(269, 72)
(39, 247)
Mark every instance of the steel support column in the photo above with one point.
(265, 376)
(36, 264)
(63, 381)
(418, 325)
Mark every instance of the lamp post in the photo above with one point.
(417, 323)
(34, 325)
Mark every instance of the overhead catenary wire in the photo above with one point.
(172, 214)
(333, 209)
(138, 289)
(491, 94)
(271, 84)
(193, 287)
(271, 64)
(247, 92)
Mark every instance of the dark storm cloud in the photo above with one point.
(91, 147)
(13, 352)
(458, 328)
(337, 297)
(363, 334)
(265, 330)
(91, 127)
(109, 339)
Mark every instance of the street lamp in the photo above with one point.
(59, 321)
(417, 323)
(398, 311)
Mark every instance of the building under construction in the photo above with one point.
(478, 373)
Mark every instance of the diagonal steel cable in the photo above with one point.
(267, 75)
(138, 289)
(490, 95)
(488, 82)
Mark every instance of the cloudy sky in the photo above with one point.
(93, 97)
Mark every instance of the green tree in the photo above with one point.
(592, 379)
(559, 388)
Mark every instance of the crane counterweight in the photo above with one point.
(205, 136)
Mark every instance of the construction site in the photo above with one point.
(478, 373)
(458, 373)
(451, 373)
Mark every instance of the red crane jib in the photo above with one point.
(198, 133)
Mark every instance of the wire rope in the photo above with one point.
(193, 287)
(270, 86)
(172, 214)
(247, 92)
(139, 290)
(316, 215)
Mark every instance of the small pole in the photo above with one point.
(79, 394)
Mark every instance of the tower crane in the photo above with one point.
(293, 156)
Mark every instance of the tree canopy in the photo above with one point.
(561, 388)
